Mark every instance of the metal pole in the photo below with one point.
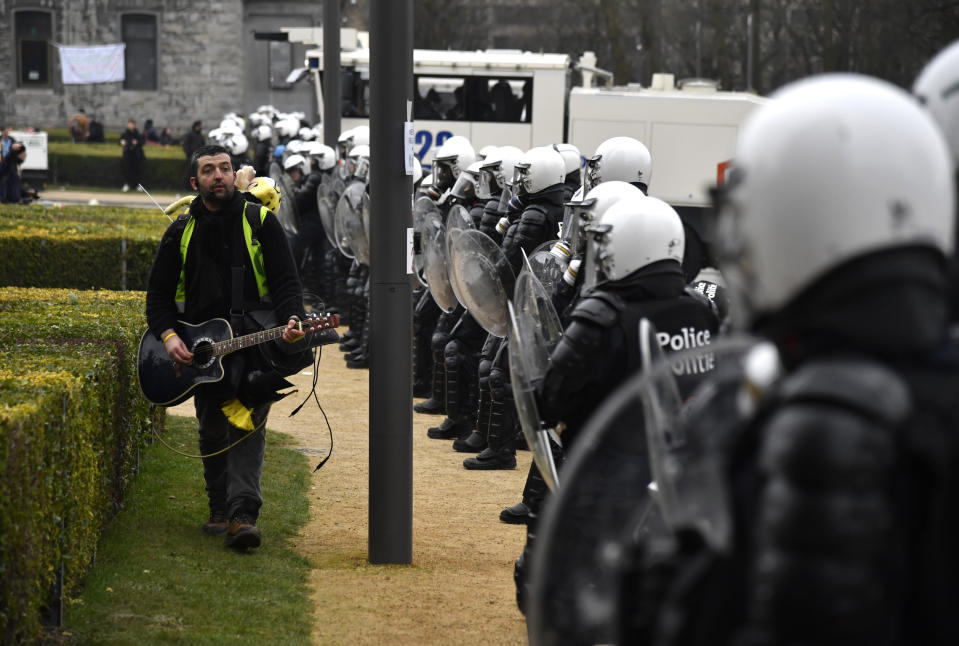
(331, 71)
(391, 309)
(749, 53)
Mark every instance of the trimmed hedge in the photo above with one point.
(102, 165)
(80, 247)
(72, 420)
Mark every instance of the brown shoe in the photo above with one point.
(243, 533)
(217, 524)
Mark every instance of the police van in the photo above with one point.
(499, 97)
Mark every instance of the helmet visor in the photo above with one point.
(442, 175)
(465, 188)
(591, 173)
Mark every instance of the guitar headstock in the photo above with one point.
(318, 322)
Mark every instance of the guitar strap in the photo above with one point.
(238, 270)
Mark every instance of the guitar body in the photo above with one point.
(160, 383)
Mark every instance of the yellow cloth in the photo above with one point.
(238, 415)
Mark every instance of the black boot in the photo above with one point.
(534, 492)
(425, 314)
(436, 404)
(499, 453)
(475, 442)
(448, 430)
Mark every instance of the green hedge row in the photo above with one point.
(72, 420)
(102, 165)
(81, 247)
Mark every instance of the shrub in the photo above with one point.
(80, 247)
(71, 423)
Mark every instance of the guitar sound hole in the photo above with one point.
(203, 356)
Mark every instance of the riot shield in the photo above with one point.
(424, 211)
(436, 265)
(547, 268)
(602, 515)
(327, 209)
(352, 227)
(458, 219)
(529, 350)
(345, 211)
(485, 279)
(286, 213)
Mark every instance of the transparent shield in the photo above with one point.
(327, 209)
(485, 280)
(436, 265)
(606, 509)
(457, 220)
(344, 211)
(286, 213)
(424, 211)
(547, 268)
(529, 351)
(353, 227)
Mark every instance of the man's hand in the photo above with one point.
(244, 177)
(293, 332)
(176, 348)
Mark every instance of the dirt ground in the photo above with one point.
(459, 588)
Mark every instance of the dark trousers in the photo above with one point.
(132, 167)
(232, 478)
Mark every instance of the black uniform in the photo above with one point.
(845, 485)
(600, 349)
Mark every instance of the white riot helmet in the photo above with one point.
(287, 127)
(453, 156)
(425, 183)
(295, 161)
(485, 151)
(262, 132)
(267, 110)
(466, 184)
(305, 134)
(590, 208)
(361, 136)
(236, 143)
(297, 146)
(571, 157)
(358, 162)
(344, 143)
(619, 158)
(325, 155)
(496, 171)
(538, 169)
(216, 135)
(937, 88)
(233, 120)
(417, 171)
(834, 167)
(632, 234)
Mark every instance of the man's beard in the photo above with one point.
(211, 196)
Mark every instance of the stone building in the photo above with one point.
(184, 60)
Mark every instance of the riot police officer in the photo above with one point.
(849, 281)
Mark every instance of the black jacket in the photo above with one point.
(207, 272)
(600, 346)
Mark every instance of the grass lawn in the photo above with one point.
(158, 579)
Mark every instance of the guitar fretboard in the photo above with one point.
(247, 340)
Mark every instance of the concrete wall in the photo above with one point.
(208, 62)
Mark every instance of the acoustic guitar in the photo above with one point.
(164, 384)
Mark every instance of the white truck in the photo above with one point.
(499, 97)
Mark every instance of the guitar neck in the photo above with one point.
(238, 343)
